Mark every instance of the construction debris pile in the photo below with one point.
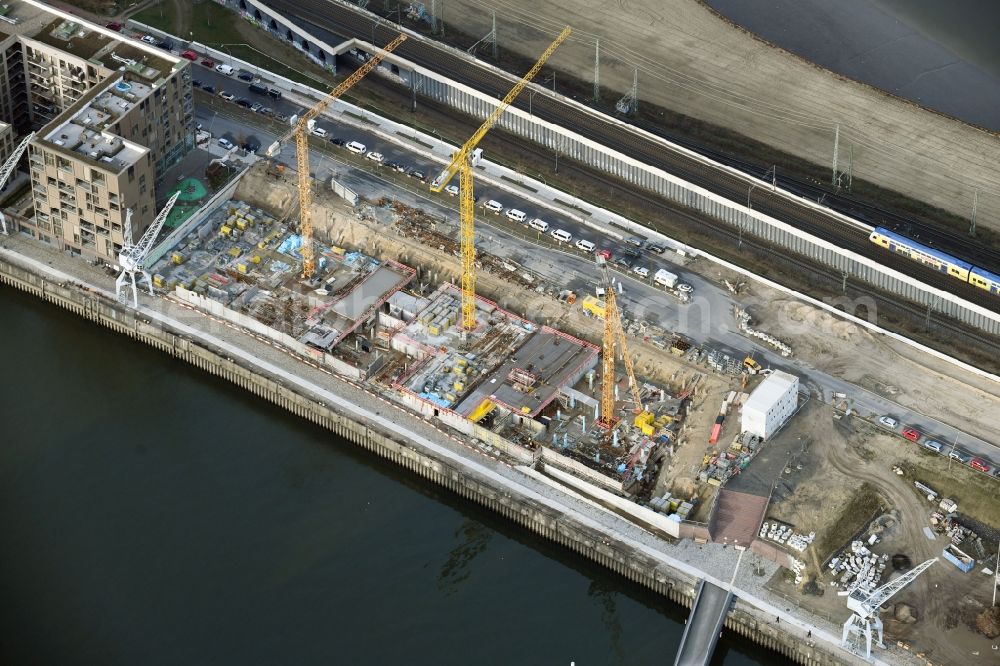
(414, 223)
(858, 567)
(719, 467)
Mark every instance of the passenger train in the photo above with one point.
(936, 259)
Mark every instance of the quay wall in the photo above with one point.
(560, 527)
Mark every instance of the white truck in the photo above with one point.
(665, 279)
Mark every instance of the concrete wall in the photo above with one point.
(561, 528)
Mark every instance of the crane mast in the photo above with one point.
(614, 333)
(301, 132)
(461, 164)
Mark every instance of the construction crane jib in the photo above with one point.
(8, 168)
(301, 131)
(614, 334)
(461, 164)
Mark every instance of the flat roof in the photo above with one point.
(82, 129)
(534, 374)
(73, 36)
(770, 391)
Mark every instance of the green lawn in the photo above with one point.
(215, 26)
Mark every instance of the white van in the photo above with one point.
(538, 224)
(515, 215)
(585, 245)
(320, 132)
(561, 236)
(494, 207)
(356, 147)
(225, 69)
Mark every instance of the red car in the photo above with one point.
(208, 62)
(606, 254)
(979, 465)
(190, 55)
(911, 434)
(114, 25)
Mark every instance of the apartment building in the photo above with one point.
(111, 116)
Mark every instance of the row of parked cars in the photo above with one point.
(934, 445)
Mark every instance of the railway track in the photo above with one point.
(331, 17)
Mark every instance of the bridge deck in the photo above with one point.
(703, 627)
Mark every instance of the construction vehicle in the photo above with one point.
(301, 127)
(8, 168)
(750, 366)
(461, 163)
(613, 333)
(866, 605)
(132, 257)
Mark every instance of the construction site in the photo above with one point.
(707, 440)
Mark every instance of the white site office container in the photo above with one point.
(770, 404)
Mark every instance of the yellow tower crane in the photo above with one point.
(301, 131)
(462, 164)
(613, 332)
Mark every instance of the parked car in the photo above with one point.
(960, 456)
(685, 288)
(641, 271)
(376, 157)
(208, 62)
(911, 434)
(979, 465)
(166, 45)
(227, 70)
(338, 142)
(197, 84)
(190, 55)
(266, 111)
(280, 117)
(933, 445)
(256, 107)
(638, 241)
(320, 132)
(114, 25)
(251, 144)
(418, 175)
(274, 93)
(657, 249)
(228, 96)
(888, 422)
(244, 102)
(356, 147)
(149, 39)
(604, 254)
(585, 245)
(396, 166)
(451, 190)
(244, 75)
(226, 143)
(210, 89)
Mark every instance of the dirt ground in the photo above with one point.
(841, 456)
(886, 367)
(696, 63)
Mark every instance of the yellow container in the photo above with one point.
(234, 252)
(226, 230)
(177, 258)
(255, 259)
(242, 268)
(241, 224)
(459, 386)
(158, 280)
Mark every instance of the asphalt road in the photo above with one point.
(707, 319)
(332, 21)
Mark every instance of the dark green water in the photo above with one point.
(151, 514)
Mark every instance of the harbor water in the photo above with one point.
(152, 514)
